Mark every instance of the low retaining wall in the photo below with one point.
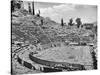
(26, 64)
(56, 64)
(42, 69)
(47, 69)
(30, 66)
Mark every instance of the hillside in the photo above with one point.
(50, 42)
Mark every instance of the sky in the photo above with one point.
(56, 11)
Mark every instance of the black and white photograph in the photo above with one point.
(53, 37)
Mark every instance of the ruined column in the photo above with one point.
(29, 8)
(22, 5)
(33, 8)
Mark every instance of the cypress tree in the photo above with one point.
(70, 22)
(78, 21)
(62, 24)
(41, 21)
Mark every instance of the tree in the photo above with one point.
(62, 24)
(70, 22)
(78, 21)
(15, 4)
